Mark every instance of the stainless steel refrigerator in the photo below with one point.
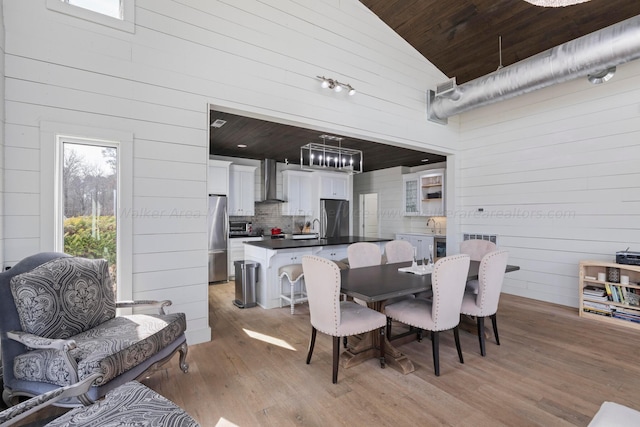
(218, 235)
(334, 216)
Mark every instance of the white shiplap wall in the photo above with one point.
(250, 56)
(2, 156)
(557, 174)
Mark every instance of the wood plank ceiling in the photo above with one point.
(460, 37)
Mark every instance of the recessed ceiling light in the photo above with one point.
(218, 123)
(242, 145)
(424, 160)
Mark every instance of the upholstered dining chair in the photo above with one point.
(476, 249)
(441, 313)
(363, 254)
(331, 316)
(485, 303)
(398, 251)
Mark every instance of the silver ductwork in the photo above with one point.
(592, 54)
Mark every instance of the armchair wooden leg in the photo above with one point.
(435, 345)
(494, 321)
(336, 356)
(456, 336)
(312, 343)
(481, 334)
(382, 339)
(184, 366)
(419, 335)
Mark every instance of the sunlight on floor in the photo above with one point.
(225, 423)
(269, 339)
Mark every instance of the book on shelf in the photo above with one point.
(608, 291)
(596, 305)
(597, 311)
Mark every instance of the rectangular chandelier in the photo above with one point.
(314, 156)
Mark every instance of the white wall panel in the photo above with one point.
(555, 172)
(257, 57)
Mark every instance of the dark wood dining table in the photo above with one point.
(376, 285)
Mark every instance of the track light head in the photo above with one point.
(328, 83)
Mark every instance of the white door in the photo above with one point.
(369, 214)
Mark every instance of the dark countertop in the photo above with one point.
(275, 244)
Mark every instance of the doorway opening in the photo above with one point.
(369, 215)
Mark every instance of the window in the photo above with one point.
(111, 13)
(89, 201)
(86, 196)
(106, 7)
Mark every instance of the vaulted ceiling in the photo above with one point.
(460, 37)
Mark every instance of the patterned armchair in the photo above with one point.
(58, 326)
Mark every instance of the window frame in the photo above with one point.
(127, 23)
(52, 138)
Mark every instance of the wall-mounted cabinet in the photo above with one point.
(241, 190)
(218, 177)
(297, 187)
(334, 186)
(432, 196)
(411, 194)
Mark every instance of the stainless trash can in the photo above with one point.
(246, 278)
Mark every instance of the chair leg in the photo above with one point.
(456, 336)
(480, 321)
(382, 336)
(184, 366)
(344, 341)
(419, 335)
(312, 343)
(435, 345)
(494, 321)
(336, 354)
(293, 287)
(388, 328)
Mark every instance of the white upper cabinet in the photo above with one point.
(242, 190)
(297, 189)
(334, 186)
(411, 194)
(218, 177)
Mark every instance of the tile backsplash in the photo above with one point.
(269, 215)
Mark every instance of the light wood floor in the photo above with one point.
(552, 369)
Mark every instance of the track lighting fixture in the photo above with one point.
(336, 85)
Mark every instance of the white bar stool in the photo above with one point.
(293, 273)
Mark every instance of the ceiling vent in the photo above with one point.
(447, 89)
(218, 123)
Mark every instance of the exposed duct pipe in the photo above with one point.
(590, 54)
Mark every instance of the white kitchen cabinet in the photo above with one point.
(422, 243)
(236, 251)
(334, 186)
(411, 194)
(334, 253)
(432, 193)
(218, 177)
(241, 190)
(297, 189)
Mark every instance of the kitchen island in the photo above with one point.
(271, 254)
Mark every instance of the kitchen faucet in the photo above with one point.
(435, 224)
(313, 224)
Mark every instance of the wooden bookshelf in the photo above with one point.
(616, 309)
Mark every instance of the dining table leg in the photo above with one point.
(366, 346)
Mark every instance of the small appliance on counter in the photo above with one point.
(240, 228)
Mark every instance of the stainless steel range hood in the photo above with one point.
(269, 182)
